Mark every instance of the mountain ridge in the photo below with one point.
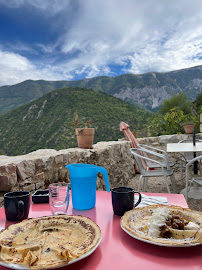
(148, 90)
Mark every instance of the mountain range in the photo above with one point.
(147, 90)
(47, 121)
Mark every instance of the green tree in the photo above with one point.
(180, 102)
(173, 120)
(198, 101)
(170, 123)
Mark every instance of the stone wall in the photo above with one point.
(38, 169)
(164, 139)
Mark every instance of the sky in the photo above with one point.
(76, 39)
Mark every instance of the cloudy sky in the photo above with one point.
(75, 39)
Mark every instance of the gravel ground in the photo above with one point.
(157, 185)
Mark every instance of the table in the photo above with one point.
(120, 251)
(184, 147)
(195, 192)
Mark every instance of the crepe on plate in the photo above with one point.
(182, 226)
(48, 242)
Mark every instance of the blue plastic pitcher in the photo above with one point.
(83, 179)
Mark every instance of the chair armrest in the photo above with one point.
(145, 157)
(193, 160)
(153, 148)
(165, 158)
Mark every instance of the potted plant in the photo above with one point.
(135, 133)
(84, 135)
(188, 127)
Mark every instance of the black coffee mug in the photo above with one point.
(16, 205)
(123, 199)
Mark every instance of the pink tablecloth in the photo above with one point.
(118, 250)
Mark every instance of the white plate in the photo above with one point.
(19, 267)
(159, 244)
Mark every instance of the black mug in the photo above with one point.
(16, 205)
(123, 199)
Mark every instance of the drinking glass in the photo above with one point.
(59, 197)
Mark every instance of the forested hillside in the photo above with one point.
(46, 122)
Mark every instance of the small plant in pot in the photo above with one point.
(84, 135)
(188, 127)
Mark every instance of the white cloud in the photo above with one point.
(15, 68)
(50, 6)
(153, 34)
(138, 36)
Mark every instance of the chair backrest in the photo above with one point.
(199, 158)
(137, 157)
(199, 182)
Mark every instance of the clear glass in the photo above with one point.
(59, 197)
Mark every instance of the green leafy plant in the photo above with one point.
(76, 123)
(173, 119)
(174, 114)
(89, 123)
(188, 120)
(170, 123)
(188, 123)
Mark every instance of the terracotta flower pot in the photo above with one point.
(85, 137)
(189, 129)
(135, 134)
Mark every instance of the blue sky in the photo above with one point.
(75, 39)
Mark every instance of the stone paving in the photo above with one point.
(157, 185)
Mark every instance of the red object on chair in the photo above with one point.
(134, 142)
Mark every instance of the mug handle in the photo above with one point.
(20, 209)
(140, 198)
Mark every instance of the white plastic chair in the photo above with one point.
(196, 181)
(157, 150)
(135, 144)
(187, 156)
(162, 171)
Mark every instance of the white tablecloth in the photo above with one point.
(151, 200)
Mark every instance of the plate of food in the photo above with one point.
(170, 226)
(48, 242)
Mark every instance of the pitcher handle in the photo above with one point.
(105, 174)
